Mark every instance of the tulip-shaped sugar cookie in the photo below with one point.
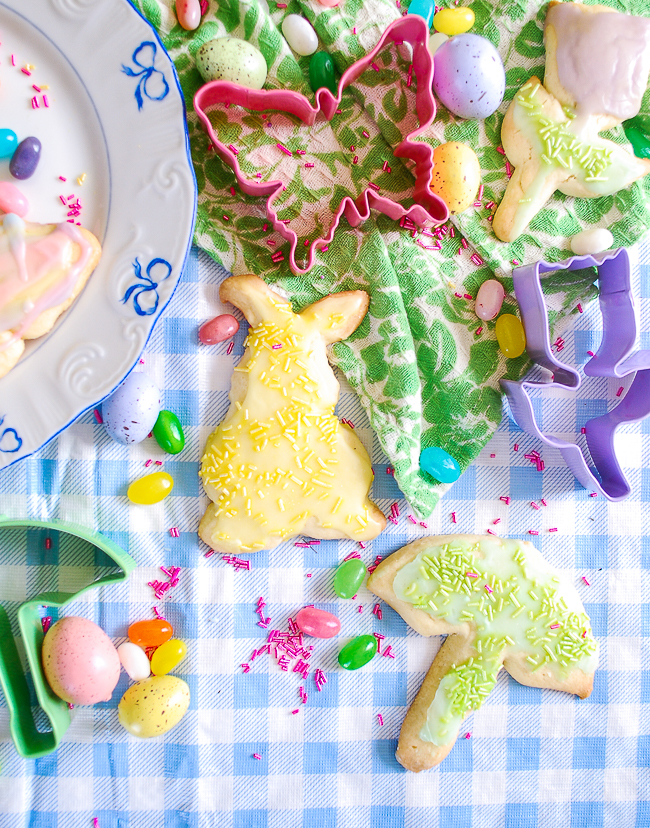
(281, 463)
(597, 64)
(501, 605)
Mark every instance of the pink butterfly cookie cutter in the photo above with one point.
(429, 209)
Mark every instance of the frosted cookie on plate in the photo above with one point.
(501, 605)
(43, 267)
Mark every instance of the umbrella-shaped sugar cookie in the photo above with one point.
(501, 605)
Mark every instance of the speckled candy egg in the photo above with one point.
(232, 59)
(131, 411)
(80, 662)
(456, 175)
(152, 707)
(468, 76)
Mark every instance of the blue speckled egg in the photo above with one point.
(131, 411)
(468, 76)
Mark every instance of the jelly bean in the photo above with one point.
(25, 159)
(329, 4)
(318, 623)
(349, 577)
(134, 660)
(8, 143)
(358, 652)
(169, 432)
(639, 140)
(12, 200)
(321, 73)
(167, 656)
(510, 336)
(300, 34)
(453, 21)
(489, 299)
(189, 14)
(436, 462)
(425, 8)
(218, 329)
(152, 488)
(435, 42)
(151, 633)
(591, 241)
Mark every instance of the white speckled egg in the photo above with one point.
(468, 76)
(456, 175)
(300, 34)
(232, 59)
(80, 662)
(132, 410)
(153, 706)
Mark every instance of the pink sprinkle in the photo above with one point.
(209, 553)
(61, 178)
(388, 653)
(423, 525)
(488, 589)
(584, 633)
(579, 308)
(583, 430)
(256, 756)
(380, 719)
(230, 349)
(282, 147)
(13, 60)
(543, 502)
(505, 500)
(534, 505)
(265, 227)
(375, 67)
(501, 151)
(98, 416)
(157, 614)
(586, 581)
(554, 529)
(95, 822)
(35, 103)
(355, 159)
(174, 532)
(471, 575)
(453, 517)
(493, 455)
(25, 71)
(516, 447)
(620, 391)
(479, 331)
(515, 262)
(373, 185)
(480, 192)
(338, 111)
(148, 463)
(376, 610)
(46, 623)
(594, 494)
(46, 103)
(301, 152)
(352, 555)
(323, 249)
(360, 608)
(477, 204)
(245, 668)
(233, 149)
(412, 519)
(468, 735)
(490, 532)
(495, 521)
(533, 532)
(463, 242)
(281, 6)
(293, 712)
(590, 353)
(225, 217)
(554, 626)
(354, 31)
(476, 259)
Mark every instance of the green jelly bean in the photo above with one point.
(358, 652)
(321, 73)
(639, 140)
(169, 432)
(349, 577)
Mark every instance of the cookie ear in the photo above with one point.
(338, 315)
(252, 296)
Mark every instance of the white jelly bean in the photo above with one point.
(300, 34)
(591, 241)
(435, 42)
(489, 299)
(134, 660)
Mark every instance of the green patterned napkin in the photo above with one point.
(425, 368)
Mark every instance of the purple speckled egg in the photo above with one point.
(131, 411)
(468, 76)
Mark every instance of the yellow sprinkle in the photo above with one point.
(337, 505)
(280, 504)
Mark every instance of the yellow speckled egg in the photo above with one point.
(456, 175)
(153, 706)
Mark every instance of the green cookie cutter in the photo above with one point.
(29, 741)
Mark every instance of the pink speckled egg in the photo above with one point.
(80, 661)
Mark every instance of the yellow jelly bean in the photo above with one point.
(510, 335)
(167, 656)
(150, 489)
(453, 21)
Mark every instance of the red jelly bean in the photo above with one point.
(318, 623)
(151, 633)
(218, 329)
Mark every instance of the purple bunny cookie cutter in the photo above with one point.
(616, 357)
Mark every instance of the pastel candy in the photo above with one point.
(189, 14)
(454, 21)
(468, 76)
(168, 432)
(152, 488)
(489, 299)
(131, 410)
(435, 42)
(358, 652)
(167, 656)
(25, 159)
(317, 622)
(425, 8)
(639, 140)
(8, 143)
(439, 464)
(591, 241)
(12, 200)
(456, 175)
(510, 336)
(329, 4)
(134, 661)
(321, 73)
(232, 59)
(219, 329)
(300, 34)
(349, 577)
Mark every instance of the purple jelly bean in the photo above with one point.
(25, 159)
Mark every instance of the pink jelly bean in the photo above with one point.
(329, 4)
(218, 329)
(318, 623)
(489, 299)
(12, 200)
(188, 13)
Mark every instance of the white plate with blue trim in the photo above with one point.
(91, 80)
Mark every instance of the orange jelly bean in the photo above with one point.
(151, 633)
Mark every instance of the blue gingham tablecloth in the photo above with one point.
(534, 758)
